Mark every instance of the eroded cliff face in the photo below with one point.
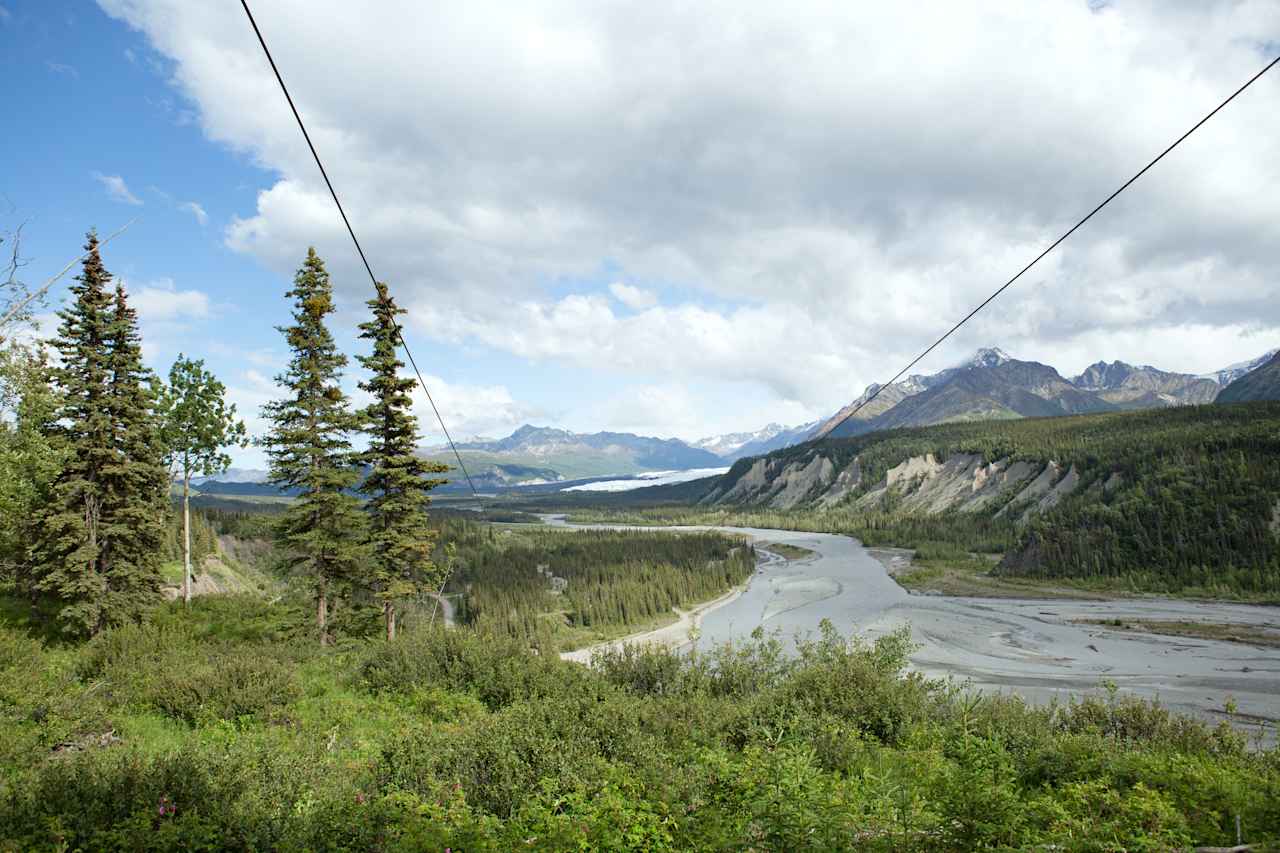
(921, 484)
(779, 486)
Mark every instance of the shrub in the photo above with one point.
(167, 667)
(496, 671)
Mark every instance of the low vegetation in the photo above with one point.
(788, 552)
(225, 727)
(1251, 635)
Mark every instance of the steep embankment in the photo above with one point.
(1177, 498)
(234, 567)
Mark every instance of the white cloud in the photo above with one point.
(633, 297)
(831, 186)
(161, 302)
(116, 188)
(195, 210)
(469, 410)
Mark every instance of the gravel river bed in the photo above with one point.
(1036, 648)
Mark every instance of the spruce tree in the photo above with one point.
(68, 569)
(136, 494)
(309, 448)
(397, 484)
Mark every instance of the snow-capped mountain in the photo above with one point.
(723, 445)
(1232, 372)
(736, 445)
(993, 384)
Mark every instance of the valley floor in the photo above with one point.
(1044, 647)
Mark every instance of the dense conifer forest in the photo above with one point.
(558, 589)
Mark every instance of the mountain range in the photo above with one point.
(989, 385)
(994, 385)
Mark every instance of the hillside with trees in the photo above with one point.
(1175, 500)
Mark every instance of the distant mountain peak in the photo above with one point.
(988, 357)
(735, 444)
(1230, 373)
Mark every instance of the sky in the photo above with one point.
(672, 219)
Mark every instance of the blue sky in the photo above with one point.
(651, 220)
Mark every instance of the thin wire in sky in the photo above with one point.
(372, 278)
(1052, 246)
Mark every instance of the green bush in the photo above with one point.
(497, 671)
(166, 666)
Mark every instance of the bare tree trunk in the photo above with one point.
(322, 614)
(186, 537)
(389, 611)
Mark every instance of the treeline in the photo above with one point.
(595, 580)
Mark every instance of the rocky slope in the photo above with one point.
(1145, 387)
(990, 386)
(924, 484)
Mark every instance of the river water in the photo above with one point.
(1036, 648)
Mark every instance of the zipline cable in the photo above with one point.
(345, 221)
(1051, 247)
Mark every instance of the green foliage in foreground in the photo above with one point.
(233, 734)
(613, 580)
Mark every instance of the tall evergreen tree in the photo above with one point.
(136, 497)
(397, 484)
(309, 448)
(95, 556)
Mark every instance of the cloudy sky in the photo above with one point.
(677, 219)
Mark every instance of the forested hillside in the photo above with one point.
(1176, 499)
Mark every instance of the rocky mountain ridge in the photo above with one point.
(993, 385)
